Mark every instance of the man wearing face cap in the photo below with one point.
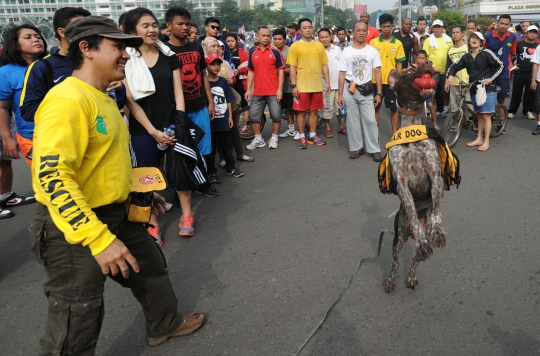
(81, 176)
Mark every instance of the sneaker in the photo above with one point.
(316, 140)
(13, 200)
(186, 226)
(272, 142)
(245, 130)
(530, 116)
(510, 115)
(213, 178)
(155, 232)
(256, 144)
(296, 136)
(6, 214)
(245, 158)
(235, 172)
(190, 323)
(444, 113)
(302, 144)
(222, 163)
(377, 157)
(536, 130)
(288, 133)
(168, 206)
(211, 192)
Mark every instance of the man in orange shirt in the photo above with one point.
(372, 31)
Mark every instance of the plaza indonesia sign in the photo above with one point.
(524, 7)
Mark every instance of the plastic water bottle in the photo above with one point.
(169, 131)
(343, 111)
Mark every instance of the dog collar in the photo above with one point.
(409, 112)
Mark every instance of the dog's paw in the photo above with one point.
(437, 237)
(423, 250)
(389, 284)
(412, 282)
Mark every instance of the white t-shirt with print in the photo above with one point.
(359, 63)
(333, 54)
(536, 60)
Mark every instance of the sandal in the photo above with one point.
(437, 128)
(245, 158)
(328, 134)
(342, 131)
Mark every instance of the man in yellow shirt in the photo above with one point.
(81, 175)
(455, 53)
(307, 62)
(437, 46)
(392, 57)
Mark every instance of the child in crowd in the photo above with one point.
(223, 121)
(421, 57)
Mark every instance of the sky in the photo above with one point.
(374, 5)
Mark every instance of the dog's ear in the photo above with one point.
(393, 77)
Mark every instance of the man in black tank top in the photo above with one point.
(409, 41)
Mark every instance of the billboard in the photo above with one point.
(359, 9)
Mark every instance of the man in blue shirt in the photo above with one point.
(503, 43)
(44, 74)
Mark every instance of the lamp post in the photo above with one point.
(322, 13)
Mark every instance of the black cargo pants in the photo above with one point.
(74, 283)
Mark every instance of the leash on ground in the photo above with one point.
(367, 259)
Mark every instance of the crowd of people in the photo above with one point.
(87, 113)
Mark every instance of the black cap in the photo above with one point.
(293, 25)
(99, 25)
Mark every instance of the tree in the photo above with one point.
(228, 14)
(485, 22)
(450, 19)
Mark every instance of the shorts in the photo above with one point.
(4, 156)
(201, 118)
(330, 101)
(26, 146)
(504, 84)
(307, 101)
(146, 151)
(489, 105)
(257, 105)
(287, 101)
(389, 96)
(429, 101)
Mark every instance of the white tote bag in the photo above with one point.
(480, 94)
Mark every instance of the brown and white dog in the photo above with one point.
(417, 172)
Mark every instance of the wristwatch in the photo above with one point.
(379, 94)
(293, 86)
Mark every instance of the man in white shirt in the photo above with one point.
(421, 25)
(535, 85)
(330, 99)
(356, 65)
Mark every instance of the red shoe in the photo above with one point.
(155, 232)
(186, 226)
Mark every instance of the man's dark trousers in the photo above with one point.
(74, 283)
(522, 81)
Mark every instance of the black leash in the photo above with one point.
(368, 259)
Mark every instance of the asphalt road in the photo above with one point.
(272, 253)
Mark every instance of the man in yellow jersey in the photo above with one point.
(454, 55)
(392, 57)
(81, 175)
(437, 46)
(308, 62)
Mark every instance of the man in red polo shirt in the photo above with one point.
(372, 31)
(265, 71)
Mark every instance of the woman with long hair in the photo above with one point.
(23, 45)
(154, 95)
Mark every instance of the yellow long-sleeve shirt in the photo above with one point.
(80, 160)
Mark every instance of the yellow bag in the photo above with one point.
(144, 181)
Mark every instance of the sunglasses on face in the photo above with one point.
(214, 27)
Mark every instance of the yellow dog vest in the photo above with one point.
(414, 133)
